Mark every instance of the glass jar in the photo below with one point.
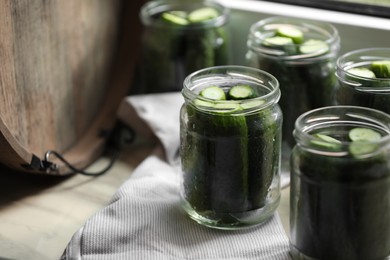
(304, 66)
(340, 185)
(175, 42)
(359, 87)
(230, 149)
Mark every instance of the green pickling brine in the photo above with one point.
(179, 38)
(301, 54)
(364, 79)
(340, 185)
(230, 146)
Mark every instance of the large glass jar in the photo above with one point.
(364, 77)
(180, 37)
(301, 54)
(340, 185)
(230, 149)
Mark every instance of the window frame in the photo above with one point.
(341, 6)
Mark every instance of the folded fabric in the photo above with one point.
(155, 115)
(144, 219)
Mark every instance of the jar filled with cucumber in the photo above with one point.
(364, 77)
(302, 55)
(230, 146)
(340, 185)
(180, 37)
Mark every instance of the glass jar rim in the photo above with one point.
(154, 7)
(234, 72)
(345, 62)
(324, 28)
(343, 115)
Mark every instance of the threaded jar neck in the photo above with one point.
(362, 58)
(265, 85)
(337, 121)
(266, 28)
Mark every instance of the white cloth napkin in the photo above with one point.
(144, 219)
(155, 115)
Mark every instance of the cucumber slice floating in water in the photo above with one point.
(358, 149)
(238, 92)
(381, 68)
(291, 32)
(226, 107)
(277, 41)
(241, 92)
(360, 134)
(359, 137)
(174, 18)
(362, 72)
(280, 43)
(203, 14)
(214, 93)
(327, 138)
(314, 46)
(217, 107)
(326, 141)
(203, 104)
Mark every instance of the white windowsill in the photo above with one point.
(308, 13)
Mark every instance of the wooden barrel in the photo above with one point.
(64, 68)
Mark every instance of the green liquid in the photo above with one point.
(340, 206)
(229, 162)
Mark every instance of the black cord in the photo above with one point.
(120, 136)
(80, 171)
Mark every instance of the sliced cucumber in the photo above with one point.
(277, 41)
(358, 149)
(314, 46)
(203, 14)
(362, 72)
(281, 43)
(202, 103)
(326, 141)
(174, 18)
(359, 137)
(252, 104)
(327, 138)
(214, 93)
(294, 33)
(360, 134)
(381, 68)
(182, 14)
(240, 92)
(226, 107)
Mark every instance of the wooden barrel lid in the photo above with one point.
(65, 66)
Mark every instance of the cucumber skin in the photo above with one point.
(222, 172)
(264, 148)
(219, 142)
(340, 206)
(381, 68)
